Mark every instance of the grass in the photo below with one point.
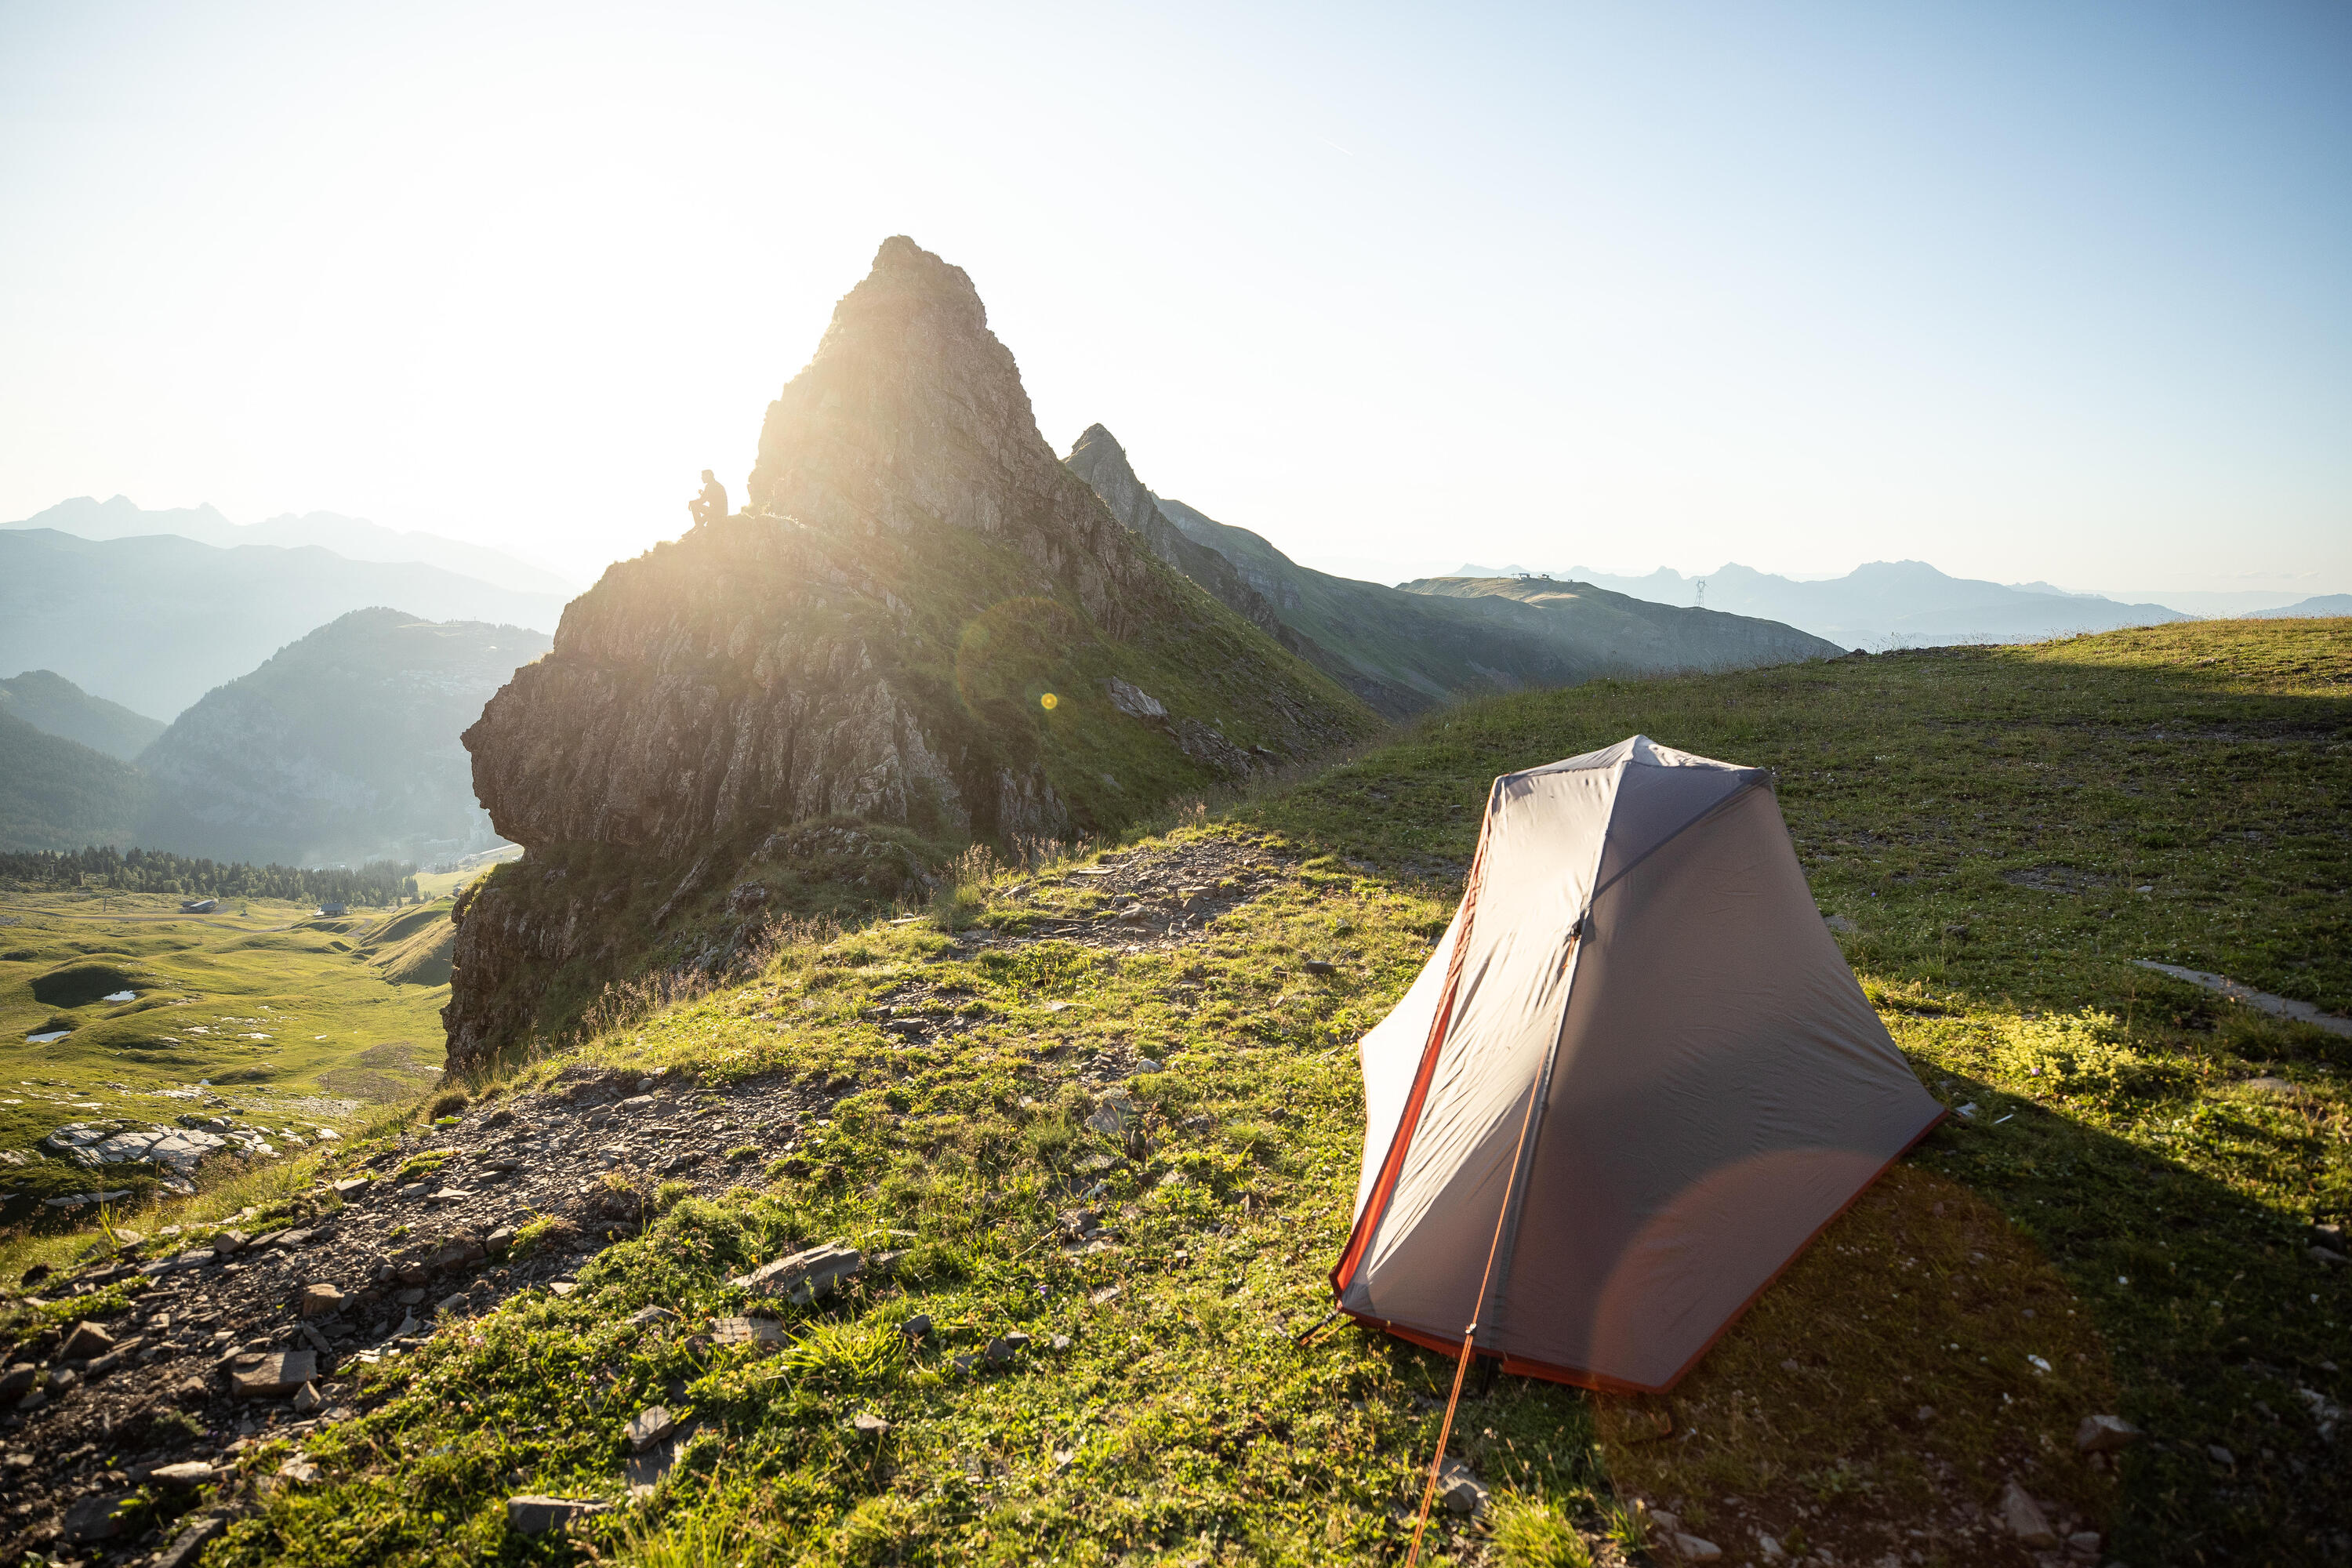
(1983, 818)
(258, 1013)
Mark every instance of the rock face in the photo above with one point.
(916, 623)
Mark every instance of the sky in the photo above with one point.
(2029, 291)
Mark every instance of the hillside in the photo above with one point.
(48, 700)
(2323, 605)
(56, 793)
(353, 538)
(153, 623)
(342, 747)
(1406, 652)
(1106, 1159)
(923, 630)
(1905, 603)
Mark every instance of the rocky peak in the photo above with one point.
(922, 621)
(1102, 461)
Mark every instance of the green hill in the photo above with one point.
(2119, 1225)
(1407, 650)
(342, 748)
(48, 700)
(56, 793)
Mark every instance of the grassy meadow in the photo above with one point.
(2118, 1228)
(284, 1020)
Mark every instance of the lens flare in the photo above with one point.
(1049, 703)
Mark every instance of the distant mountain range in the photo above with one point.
(1883, 604)
(341, 748)
(353, 538)
(1407, 649)
(155, 622)
(2323, 605)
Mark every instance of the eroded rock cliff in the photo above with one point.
(921, 623)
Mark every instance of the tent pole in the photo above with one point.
(1462, 1363)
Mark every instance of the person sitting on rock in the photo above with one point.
(711, 504)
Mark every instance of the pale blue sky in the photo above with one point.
(2029, 291)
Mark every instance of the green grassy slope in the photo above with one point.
(56, 793)
(293, 1021)
(1985, 820)
(48, 700)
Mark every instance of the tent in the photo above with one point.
(1633, 1081)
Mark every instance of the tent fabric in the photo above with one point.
(1637, 977)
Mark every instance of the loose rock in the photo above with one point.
(537, 1515)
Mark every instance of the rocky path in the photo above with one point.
(195, 1346)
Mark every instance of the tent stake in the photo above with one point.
(1328, 1319)
(1462, 1363)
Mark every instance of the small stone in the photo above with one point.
(866, 1424)
(456, 1302)
(228, 1243)
(352, 1188)
(19, 1379)
(763, 1333)
(1319, 966)
(323, 1300)
(1145, 1064)
(803, 1277)
(99, 1518)
(2025, 1519)
(648, 1427)
(185, 1474)
(307, 1398)
(645, 1315)
(498, 1241)
(537, 1515)
(275, 1374)
(1693, 1549)
(917, 1328)
(445, 1196)
(2083, 1543)
(2221, 1456)
(1459, 1489)
(298, 1470)
(563, 1288)
(87, 1343)
(190, 1543)
(2103, 1433)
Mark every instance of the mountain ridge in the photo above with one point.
(1888, 602)
(1405, 652)
(342, 746)
(49, 702)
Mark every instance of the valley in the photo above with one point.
(260, 1019)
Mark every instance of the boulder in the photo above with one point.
(2104, 1434)
(275, 1374)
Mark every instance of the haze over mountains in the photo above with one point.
(353, 538)
(153, 622)
(1882, 603)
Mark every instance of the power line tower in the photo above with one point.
(1702, 593)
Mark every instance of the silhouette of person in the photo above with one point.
(711, 504)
